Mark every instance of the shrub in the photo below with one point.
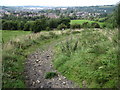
(39, 25)
(69, 47)
(76, 26)
(53, 35)
(85, 25)
(50, 75)
(48, 28)
(61, 26)
(95, 25)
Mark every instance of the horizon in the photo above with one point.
(54, 6)
(57, 3)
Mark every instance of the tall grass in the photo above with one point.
(94, 62)
(15, 53)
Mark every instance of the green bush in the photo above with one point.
(85, 25)
(50, 75)
(53, 35)
(48, 28)
(61, 27)
(75, 26)
(69, 47)
(95, 25)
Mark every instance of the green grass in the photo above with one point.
(9, 34)
(50, 75)
(82, 21)
(93, 62)
(14, 58)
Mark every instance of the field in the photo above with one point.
(88, 57)
(82, 21)
(8, 34)
(15, 53)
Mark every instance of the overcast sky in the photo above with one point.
(57, 2)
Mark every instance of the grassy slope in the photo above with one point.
(14, 58)
(82, 21)
(8, 34)
(94, 63)
(96, 67)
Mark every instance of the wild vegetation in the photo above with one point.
(16, 51)
(89, 57)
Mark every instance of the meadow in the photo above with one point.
(15, 51)
(82, 21)
(88, 57)
(11, 34)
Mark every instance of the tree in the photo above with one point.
(85, 25)
(65, 21)
(28, 26)
(39, 25)
(95, 25)
(118, 15)
(21, 25)
(53, 23)
(10, 25)
(75, 26)
(62, 27)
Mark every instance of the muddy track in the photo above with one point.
(36, 67)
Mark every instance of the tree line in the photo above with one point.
(44, 24)
(36, 25)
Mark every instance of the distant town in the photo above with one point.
(57, 12)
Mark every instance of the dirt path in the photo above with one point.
(37, 65)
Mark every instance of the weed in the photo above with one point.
(50, 75)
(53, 35)
(69, 47)
(93, 60)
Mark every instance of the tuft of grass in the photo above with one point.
(50, 75)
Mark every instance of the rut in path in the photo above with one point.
(37, 65)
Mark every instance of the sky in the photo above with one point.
(57, 2)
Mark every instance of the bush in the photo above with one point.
(76, 26)
(48, 28)
(85, 25)
(62, 26)
(53, 35)
(50, 75)
(69, 47)
(39, 25)
(95, 25)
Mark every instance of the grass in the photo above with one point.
(50, 75)
(89, 56)
(14, 58)
(94, 60)
(82, 21)
(9, 34)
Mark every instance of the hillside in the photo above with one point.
(88, 58)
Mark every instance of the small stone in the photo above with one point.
(38, 81)
(37, 60)
(39, 71)
(64, 83)
(48, 56)
(49, 83)
(33, 83)
(41, 86)
(39, 65)
(59, 79)
(64, 77)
